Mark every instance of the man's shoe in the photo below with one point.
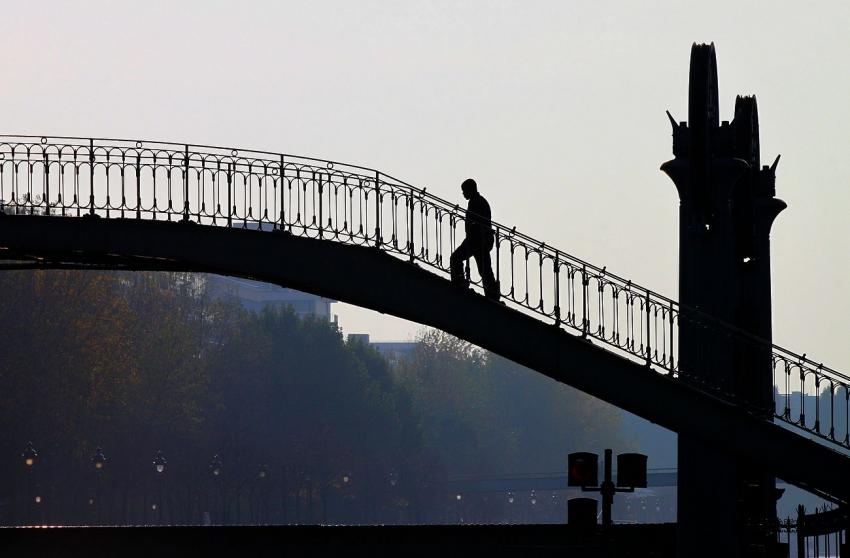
(460, 282)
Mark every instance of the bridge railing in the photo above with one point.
(329, 200)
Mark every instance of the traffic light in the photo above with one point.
(582, 469)
(631, 470)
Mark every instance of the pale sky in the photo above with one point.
(556, 108)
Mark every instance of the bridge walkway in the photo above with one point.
(363, 237)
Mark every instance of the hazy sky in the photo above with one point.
(556, 108)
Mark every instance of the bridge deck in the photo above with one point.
(374, 279)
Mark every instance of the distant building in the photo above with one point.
(358, 338)
(393, 351)
(254, 295)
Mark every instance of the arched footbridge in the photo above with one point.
(363, 237)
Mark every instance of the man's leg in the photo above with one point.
(485, 270)
(459, 256)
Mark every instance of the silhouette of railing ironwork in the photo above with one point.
(316, 198)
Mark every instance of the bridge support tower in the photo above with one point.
(727, 206)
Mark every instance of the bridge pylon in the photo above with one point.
(726, 506)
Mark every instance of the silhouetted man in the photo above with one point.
(478, 242)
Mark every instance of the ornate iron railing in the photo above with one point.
(346, 203)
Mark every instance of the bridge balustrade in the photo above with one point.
(329, 200)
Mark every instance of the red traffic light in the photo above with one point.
(582, 469)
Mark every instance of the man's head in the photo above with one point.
(469, 188)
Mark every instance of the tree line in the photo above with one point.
(259, 417)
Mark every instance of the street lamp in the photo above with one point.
(347, 493)
(263, 475)
(394, 495)
(510, 507)
(38, 500)
(159, 464)
(554, 512)
(30, 457)
(216, 468)
(98, 461)
(533, 501)
(582, 471)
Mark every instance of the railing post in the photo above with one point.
(557, 290)
(186, 184)
(46, 188)
(817, 402)
(138, 185)
(229, 195)
(377, 209)
(282, 180)
(672, 337)
(584, 300)
(498, 267)
(321, 214)
(801, 539)
(91, 177)
(831, 410)
(410, 233)
(648, 336)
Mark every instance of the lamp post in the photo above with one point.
(582, 471)
(308, 482)
(262, 476)
(533, 513)
(98, 461)
(510, 507)
(159, 466)
(554, 512)
(347, 496)
(459, 501)
(394, 494)
(30, 457)
(216, 470)
(38, 500)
